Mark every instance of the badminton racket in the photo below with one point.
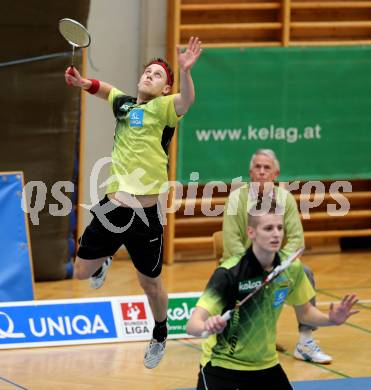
(76, 35)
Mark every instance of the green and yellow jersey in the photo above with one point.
(142, 136)
(248, 341)
(239, 202)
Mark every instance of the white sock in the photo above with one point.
(305, 336)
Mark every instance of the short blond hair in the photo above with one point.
(264, 206)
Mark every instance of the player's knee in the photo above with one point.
(151, 287)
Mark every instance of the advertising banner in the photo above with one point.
(179, 312)
(311, 105)
(88, 321)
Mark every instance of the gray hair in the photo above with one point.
(266, 152)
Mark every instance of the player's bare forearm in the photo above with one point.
(196, 324)
(195, 328)
(201, 321)
(310, 315)
(103, 91)
(186, 96)
(186, 60)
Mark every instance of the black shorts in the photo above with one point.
(125, 226)
(219, 378)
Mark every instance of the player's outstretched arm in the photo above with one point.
(201, 321)
(186, 59)
(97, 88)
(337, 315)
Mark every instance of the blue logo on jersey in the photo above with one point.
(280, 297)
(136, 117)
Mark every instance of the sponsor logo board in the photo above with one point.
(86, 321)
(71, 322)
(179, 312)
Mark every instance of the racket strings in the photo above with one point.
(77, 35)
(74, 33)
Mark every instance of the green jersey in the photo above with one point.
(235, 240)
(248, 341)
(142, 136)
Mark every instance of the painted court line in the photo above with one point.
(189, 344)
(322, 366)
(328, 384)
(360, 302)
(12, 383)
(334, 384)
(347, 288)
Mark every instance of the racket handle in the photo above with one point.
(226, 316)
(70, 72)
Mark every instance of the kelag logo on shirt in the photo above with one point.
(136, 117)
(249, 285)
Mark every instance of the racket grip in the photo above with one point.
(70, 72)
(226, 316)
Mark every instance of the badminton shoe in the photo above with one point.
(98, 280)
(311, 352)
(154, 353)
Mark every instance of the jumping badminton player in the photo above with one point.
(240, 353)
(129, 212)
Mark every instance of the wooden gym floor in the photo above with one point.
(119, 366)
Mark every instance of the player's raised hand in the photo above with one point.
(187, 58)
(73, 77)
(340, 313)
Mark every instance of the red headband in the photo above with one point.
(169, 80)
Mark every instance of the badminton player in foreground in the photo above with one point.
(129, 213)
(240, 353)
